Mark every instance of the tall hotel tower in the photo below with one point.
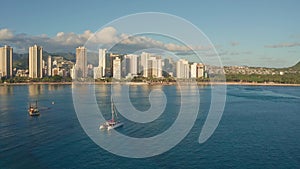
(49, 66)
(117, 68)
(144, 63)
(81, 62)
(35, 62)
(182, 69)
(6, 53)
(102, 61)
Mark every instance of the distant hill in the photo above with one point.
(20, 61)
(68, 56)
(296, 66)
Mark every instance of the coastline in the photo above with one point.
(156, 84)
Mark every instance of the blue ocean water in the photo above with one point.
(260, 128)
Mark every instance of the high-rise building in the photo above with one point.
(117, 68)
(81, 62)
(131, 64)
(182, 69)
(102, 60)
(194, 70)
(168, 65)
(197, 70)
(98, 72)
(49, 66)
(6, 53)
(35, 61)
(155, 67)
(200, 70)
(109, 63)
(144, 63)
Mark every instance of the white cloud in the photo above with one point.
(106, 35)
(67, 42)
(6, 34)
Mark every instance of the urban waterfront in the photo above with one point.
(259, 129)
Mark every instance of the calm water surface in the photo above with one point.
(260, 128)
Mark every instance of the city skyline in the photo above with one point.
(242, 37)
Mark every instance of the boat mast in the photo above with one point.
(112, 110)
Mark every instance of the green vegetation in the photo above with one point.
(285, 79)
(17, 79)
(296, 67)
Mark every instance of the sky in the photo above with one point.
(254, 33)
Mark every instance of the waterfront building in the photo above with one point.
(49, 66)
(35, 61)
(81, 62)
(102, 61)
(6, 61)
(98, 72)
(182, 69)
(155, 67)
(200, 70)
(144, 63)
(130, 65)
(117, 68)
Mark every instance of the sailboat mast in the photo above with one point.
(112, 110)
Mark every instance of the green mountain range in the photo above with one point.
(20, 61)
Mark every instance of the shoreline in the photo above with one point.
(156, 84)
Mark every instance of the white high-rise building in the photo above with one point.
(197, 70)
(35, 61)
(155, 67)
(49, 66)
(182, 69)
(159, 67)
(117, 68)
(6, 53)
(99, 71)
(200, 70)
(144, 63)
(102, 60)
(194, 70)
(81, 62)
(132, 68)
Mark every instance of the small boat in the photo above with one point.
(113, 123)
(33, 109)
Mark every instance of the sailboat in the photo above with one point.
(33, 109)
(113, 123)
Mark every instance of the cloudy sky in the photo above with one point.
(254, 33)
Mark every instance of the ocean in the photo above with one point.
(259, 128)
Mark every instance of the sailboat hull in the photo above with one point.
(117, 125)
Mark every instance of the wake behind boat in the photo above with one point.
(113, 123)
